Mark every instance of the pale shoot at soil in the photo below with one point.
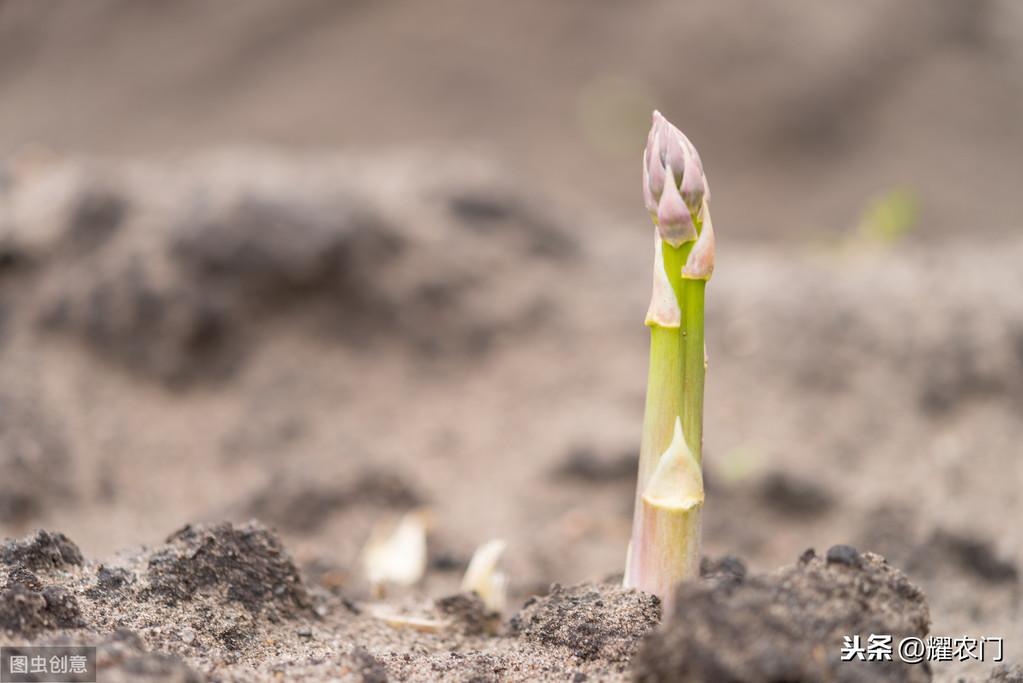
(396, 552)
(665, 545)
(485, 579)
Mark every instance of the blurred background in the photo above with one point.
(321, 262)
(803, 110)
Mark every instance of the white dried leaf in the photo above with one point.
(483, 577)
(396, 554)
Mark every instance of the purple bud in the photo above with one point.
(655, 168)
(675, 161)
(700, 263)
(693, 185)
(674, 221)
(648, 196)
(674, 185)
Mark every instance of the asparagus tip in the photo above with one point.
(674, 184)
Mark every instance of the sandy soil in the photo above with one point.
(323, 342)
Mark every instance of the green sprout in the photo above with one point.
(665, 545)
(890, 217)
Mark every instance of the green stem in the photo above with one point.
(666, 376)
(666, 534)
(663, 397)
(694, 364)
(665, 546)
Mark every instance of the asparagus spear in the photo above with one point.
(665, 544)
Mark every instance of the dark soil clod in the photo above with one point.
(62, 607)
(42, 552)
(844, 554)
(787, 626)
(110, 581)
(727, 568)
(469, 611)
(246, 564)
(113, 578)
(26, 611)
(23, 577)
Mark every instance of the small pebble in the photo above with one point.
(187, 636)
(844, 554)
(807, 555)
(305, 632)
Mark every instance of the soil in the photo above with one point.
(325, 342)
(777, 627)
(227, 602)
